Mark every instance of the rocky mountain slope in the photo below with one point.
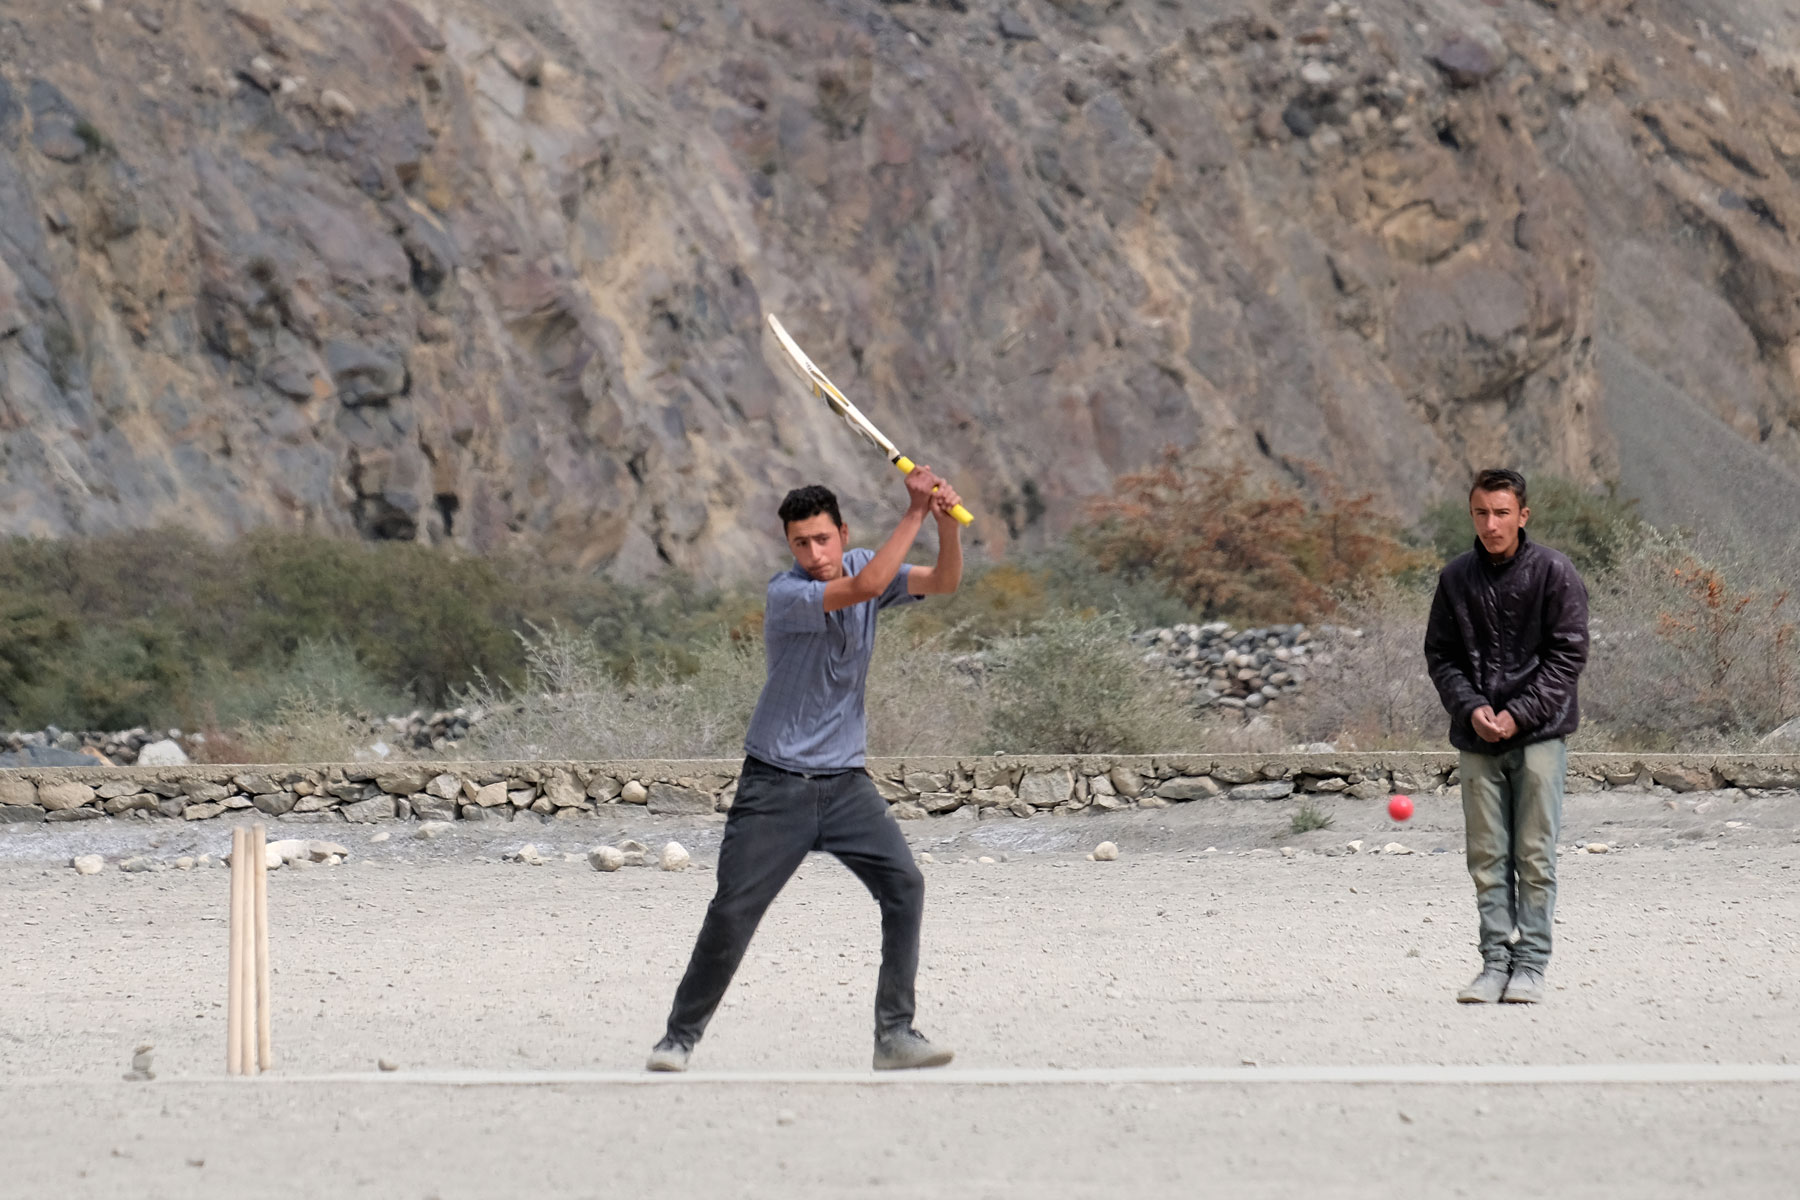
(495, 273)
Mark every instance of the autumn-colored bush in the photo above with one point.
(1232, 544)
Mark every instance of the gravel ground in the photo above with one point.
(1679, 945)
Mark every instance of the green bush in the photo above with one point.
(161, 627)
(1308, 817)
(111, 676)
(325, 674)
(1597, 530)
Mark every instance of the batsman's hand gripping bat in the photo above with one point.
(823, 388)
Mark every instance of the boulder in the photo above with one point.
(1190, 787)
(1047, 789)
(427, 807)
(1468, 59)
(1680, 777)
(76, 814)
(403, 782)
(1126, 781)
(275, 804)
(673, 799)
(363, 812)
(561, 792)
(55, 797)
(940, 802)
(165, 753)
(993, 772)
(1274, 790)
(918, 782)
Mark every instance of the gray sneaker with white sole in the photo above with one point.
(669, 1055)
(1525, 987)
(1485, 988)
(907, 1049)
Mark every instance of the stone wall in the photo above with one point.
(917, 788)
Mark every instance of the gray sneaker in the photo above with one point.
(669, 1055)
(1525, 987)
(906, 1049)
(1485, 988)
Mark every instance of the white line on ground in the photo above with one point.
(1580, 1074)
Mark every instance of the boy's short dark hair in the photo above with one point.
(1500, 479)
(809, 501)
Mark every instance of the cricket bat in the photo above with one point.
(840, 404)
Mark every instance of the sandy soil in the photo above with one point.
(1680, 945)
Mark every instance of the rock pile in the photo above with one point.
(1245, 669)
(439, 732)
(53, 747)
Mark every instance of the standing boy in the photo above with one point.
(803, 787)
(1505, 644)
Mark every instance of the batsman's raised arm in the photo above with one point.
(873, 580)
(945, 576)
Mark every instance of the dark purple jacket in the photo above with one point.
(1510, 634)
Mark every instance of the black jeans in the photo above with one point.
(776, 820)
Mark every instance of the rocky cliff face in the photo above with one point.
(495, 273)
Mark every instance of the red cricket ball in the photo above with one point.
(1400, 808)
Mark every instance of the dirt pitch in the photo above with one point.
(1175, 1020)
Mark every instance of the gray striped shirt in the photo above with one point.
(810, 717)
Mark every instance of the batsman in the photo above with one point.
(803, 787)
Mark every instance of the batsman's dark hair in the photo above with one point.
(809, 501)
(1500, 479)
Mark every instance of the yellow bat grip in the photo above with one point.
(962, 514)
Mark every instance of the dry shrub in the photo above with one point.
(1078, 686)
(1230, 544)
(1693, 647)
(305, 729)
(919, 701)
(572, 705)
(1264, 733)
(1371, 692)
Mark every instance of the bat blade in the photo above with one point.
(823, 388)
(839, 403)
